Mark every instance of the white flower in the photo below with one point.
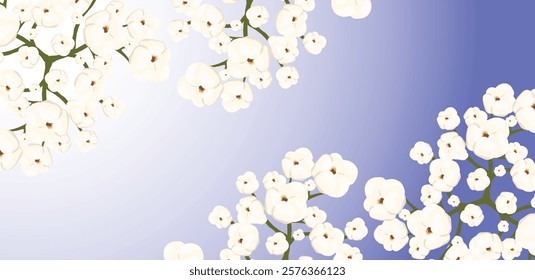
(23, 10)
(500, 171)
(48, 13)
(421, 153)
(56, 80)
(177, 250)
(292, 21)
(533, 201)
(208, 20)
(454, 201)
(150, 61)
(61, 143)
(272, 179)
(457, 241)
(499, 100)
(298, 164)
(257, 16)
(356, 9)
(186, 7)
(116, 8)
(220, 217)
(86, 140)
(251, 211)
(511, 249)
(458, 252)
(62, 44)
(247, 183)
(472, 215)
(28, 56)
(287, 203)
(236, 25)
(474, 115)
(11, 86)
(525, 110)
(523, 173)
(224, 75)
(284, 49)
(10, 151)
(103, 34)
(243, 239)
(141, 24)
(326, 239)
(448, 119)
(356, 229)
(503, 226)
(404, 214)
(228, 255)
(432, 224)
(506, 203)
(178, 29)
(511, 121)
(236, 95)
(277, 244)
(516, 152)
(307, 5)
(346, 252)
(32, 33)
(392, 234)
(488, 139)
(200, 84)
(19, 107)
(46, 121)
(486, 246)
(444, 174)
(333, 175)
(82, 114)
(430, 195)
(79, 5)
(384, 198)
(287, 77)
(261, 80)
(305, 258)
(35, 160)
(9, 26)
(315, 216)
(298, 235)
(314, 42)
(417, 248)
(77, 18)
(525, 233)
(219, 43)
(90, 84)
(247, 56)
(452, 146)
(112, 107)
(478, 180)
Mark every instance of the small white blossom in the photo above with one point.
(500, 171)
(220, 217)
(503, 226)
(525, 111)
(404, 214)
(346, 252)
(454, 201)
(472, 215)
(315, 216)
(523, 173)
(178, 29)
(392, 234)
(511, 249)
(28, 56)
(86, 140)
(430, 195)
(356, 9)
(326, 239)
(314, 43)
(277, 244)
(356, 229)
(384, 198)
(486, 246)
(516, 152)
(298, 235)
(448, 119)
(452, 146)
(247, 183)
(478, 180)
(421, 152)
(474, 115)
(511, 121)
(334, 175)
(488, 139)
(287, 77)
(444, 175)
(243, 239)
(499, 100)
(177, 250)
(292, 21)
(257, 15)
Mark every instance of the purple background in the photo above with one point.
(373, 92)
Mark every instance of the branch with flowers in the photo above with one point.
(489, 153)
(243, 42)
(35, 53)
(287, 211)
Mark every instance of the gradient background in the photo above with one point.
(374, 91)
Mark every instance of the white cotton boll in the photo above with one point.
(314, 43)
(178, 30)
(292, 21)
(257, 16)
(499, 101)
(448, 119)
(421, 152)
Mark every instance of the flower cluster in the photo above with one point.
(248, 56)
(489, 153)
(39, 40)
(288, 202)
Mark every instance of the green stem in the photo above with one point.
(89, 8)
(530, 256)
(271, 226)
(22, 127)
(513, 132)
(248, 258)
(261, 32)
(522, 208)
(10, 52)
(60, 96)
(473, 162)
(314, 195)
(412, 206)
(222, 63)
(290, 240)
(121, 52)
(244, 19)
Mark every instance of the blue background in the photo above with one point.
(374, 91)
